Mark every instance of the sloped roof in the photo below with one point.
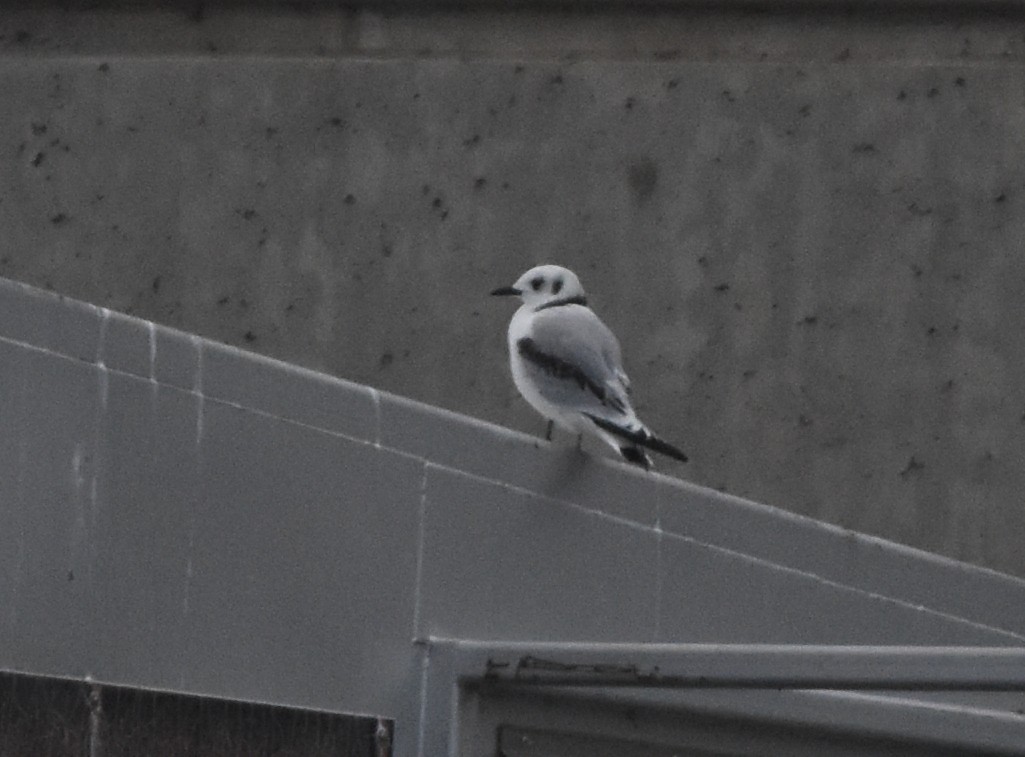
(175, 509)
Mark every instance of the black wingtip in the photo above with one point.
(635, 455)
(640, 438)
(657, 445)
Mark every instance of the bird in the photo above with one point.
(567, 364)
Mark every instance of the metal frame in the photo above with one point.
(844, 687)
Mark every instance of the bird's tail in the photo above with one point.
(634, 454)
(638, 437)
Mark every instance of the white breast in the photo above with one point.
(520, 327)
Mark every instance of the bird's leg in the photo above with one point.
(548, 432)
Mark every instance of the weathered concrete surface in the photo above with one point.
(806, 229)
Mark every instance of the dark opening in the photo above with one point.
(48, 717)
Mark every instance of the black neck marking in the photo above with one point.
(577, 300)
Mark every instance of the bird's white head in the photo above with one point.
(546, 283)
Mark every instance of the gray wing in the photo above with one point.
(574, 360)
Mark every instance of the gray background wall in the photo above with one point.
(805, 225)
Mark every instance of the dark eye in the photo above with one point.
(536, 283)
(557, 286)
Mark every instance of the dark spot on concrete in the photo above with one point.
(835, 442)
(804, 111)
(809, 320)
(270, 132)
(1002, 197)
(724, 287)
(931, 331)
(916, 271)
(703, 261)
(58, 219)
(948, 385)
(38, 160)
(247, 214)
(518, 70)
(628, 103)
(103, 68)
(38, 129)
(156, 284)
(557, 79)
(916, 210)
(672, 84)
(844, 55)
(727, 95)
(132, 129)
(436, 202)
(21, 36)
(803, 420)
(336, 122)
(386, 359)
(959, 81)
(863, 148)
(933, 91)
(71, 575)
(444, 215)
(349, 199)
(224, 300)
(249, 336)
(902, 95)
(643, 177)
(472, 141)
(505, 185)
(425, 189)
(386, 250)
(913, 466)
(243, 303)
(479, 183)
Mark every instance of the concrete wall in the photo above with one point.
(805, 226)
